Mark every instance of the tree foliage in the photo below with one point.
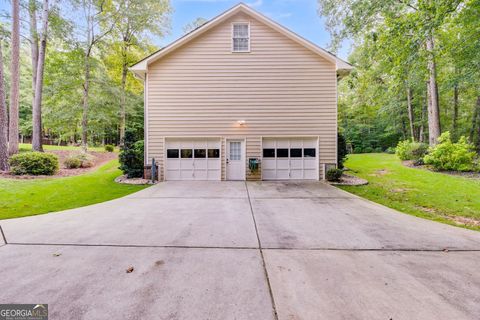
(386, 99)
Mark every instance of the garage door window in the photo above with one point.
(269, 153)
(309, 153)
(200, 153)
(213, 153)
(296, 153)
(282, 153)
(186, 153)
(172, 153)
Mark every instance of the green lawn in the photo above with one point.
(28, 147)
(418, 192)
(19, 198)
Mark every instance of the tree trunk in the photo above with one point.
(37, 105)
(478, 124)
(455, 111)
(32, 10)
(475, 122)
(410, 112)
(3, 119)
(85, 102)
(15, 82)
(434, 129)
(123, 93)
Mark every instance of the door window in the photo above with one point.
(235, 150)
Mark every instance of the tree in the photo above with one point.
(131, 24)
(189, 27)
(3, 118)
(15, 79)
(420, 20)
(32, 10)
(96, 13)
(37, 102)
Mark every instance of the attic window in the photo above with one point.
(241, 37)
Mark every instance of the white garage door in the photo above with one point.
(289, 159)
(197, 159)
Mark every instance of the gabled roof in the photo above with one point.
(141, 67)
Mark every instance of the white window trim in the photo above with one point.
(249, 37)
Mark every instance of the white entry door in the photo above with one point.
(235, 160)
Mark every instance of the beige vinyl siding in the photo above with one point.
(279, 88)
(254, 150)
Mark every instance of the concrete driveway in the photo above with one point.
(235, 250)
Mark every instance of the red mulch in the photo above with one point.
(98, 158)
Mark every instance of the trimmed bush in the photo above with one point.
(131, 156)
(447, 155)
(72, 163)
(109, 148)
(341, 150)
(357, 150)
(368, 150)
(390, 150)
(408, 150)
(378, 150)
(79, 160)
(34, 163)
(334, 174)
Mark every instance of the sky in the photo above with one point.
(300, 16)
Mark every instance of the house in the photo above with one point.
(241, 98)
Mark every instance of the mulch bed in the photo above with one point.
(135, 181)
(348, 180)
(98, 158)
(471, 175)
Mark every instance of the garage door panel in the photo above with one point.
(283, 174)
(296, 164)
(283, 164)
(310, 164)
(296, 174)
(269, 174)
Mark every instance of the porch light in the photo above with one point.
(241, 123)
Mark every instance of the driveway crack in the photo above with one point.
(3, 235)
(265, 271)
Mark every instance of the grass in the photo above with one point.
(419, 192)
(28, 147)
(20, 198)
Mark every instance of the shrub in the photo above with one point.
(390, 150)
(341, 150)
(334, 174)
(131, 156)
(408, 150)
(368, 150)
(72, 163)
(357, 150)
(34, 163)
(80, 160)
(378, 150)
(447, 155)
(109, 148)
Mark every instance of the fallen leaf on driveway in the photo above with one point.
(129, 270)
(56, 254)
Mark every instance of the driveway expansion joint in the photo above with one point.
(265, 271)
(3, 235)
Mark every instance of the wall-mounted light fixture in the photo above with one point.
(241, 123)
